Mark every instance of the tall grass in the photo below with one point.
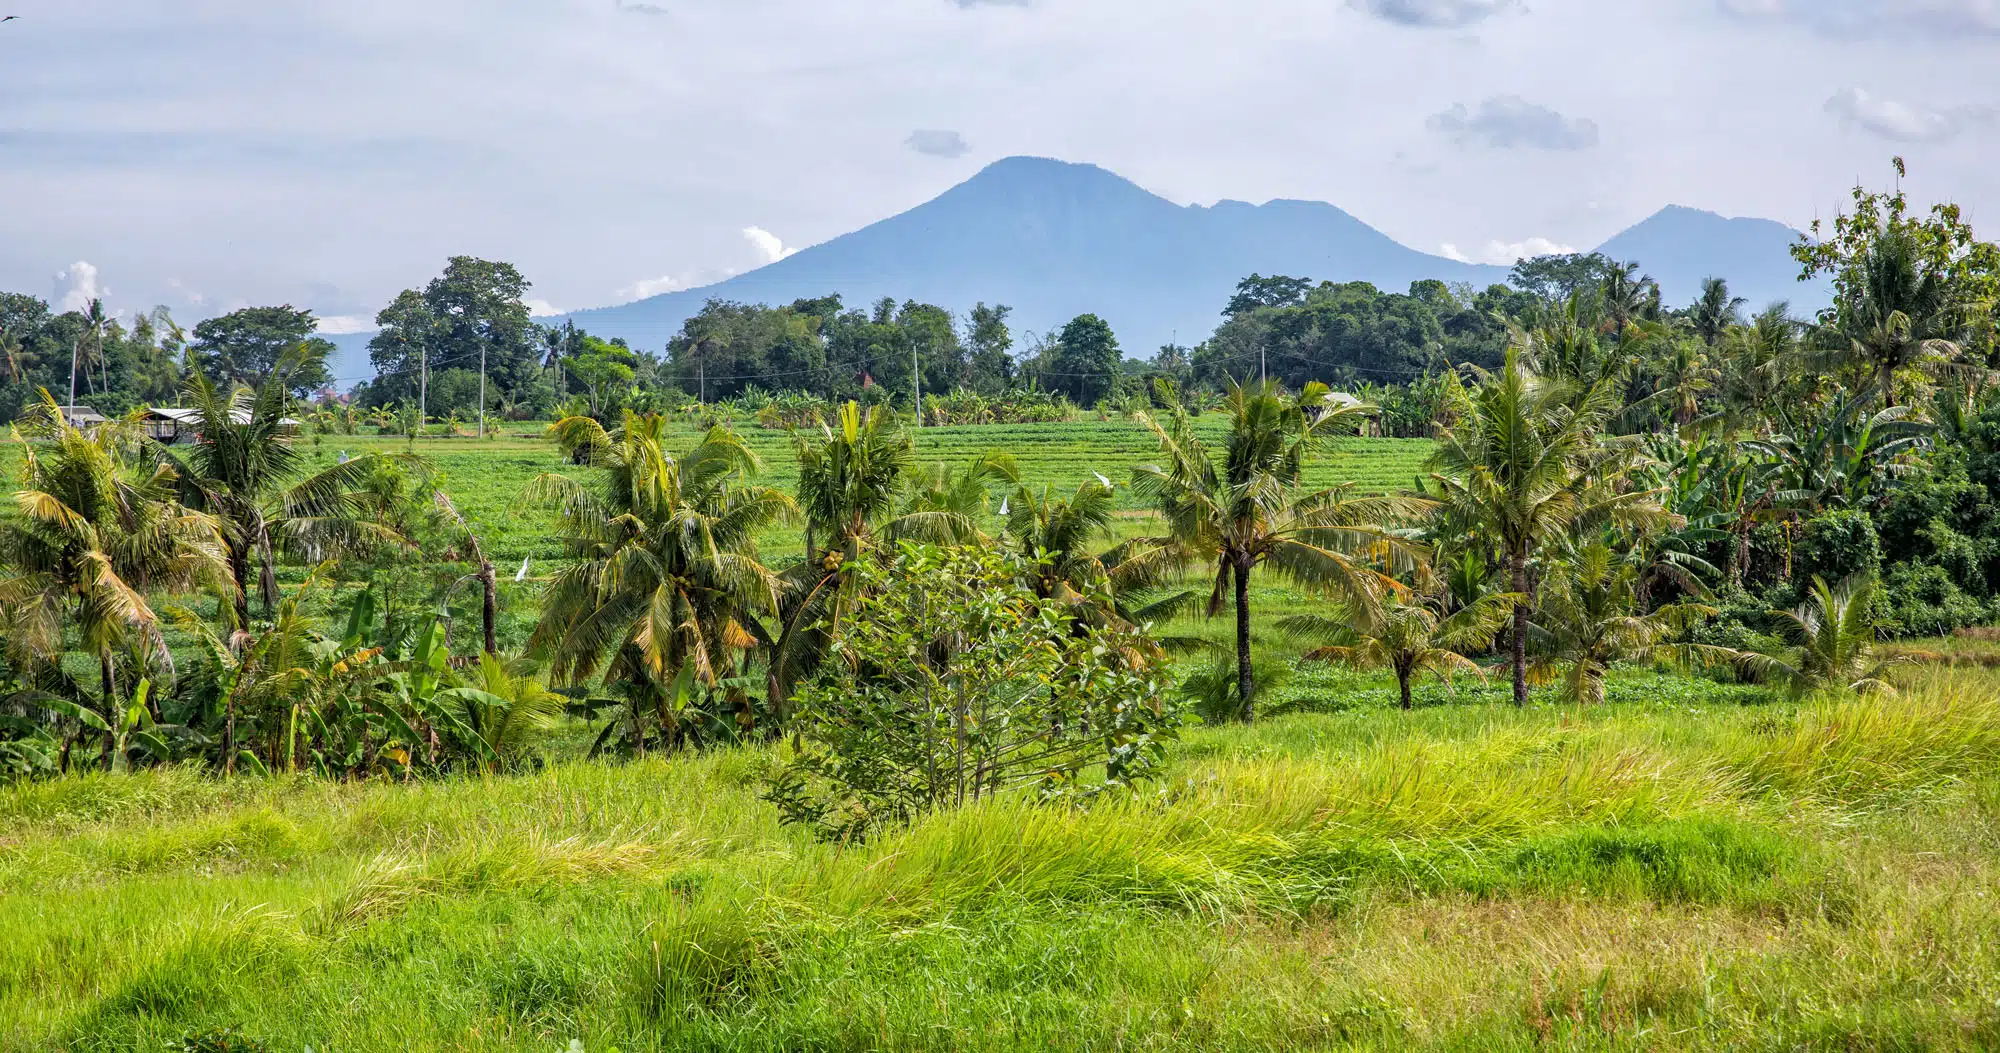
(1474, 877)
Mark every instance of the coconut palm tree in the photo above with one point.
(1407, 635)
(666, 585)
(1715, 312)
(245, 470)
(853, 473)
(1249, 509)
(1827, 643)
(1589, 615)
(1900, 318)
(1756, 362)
(1057, 536)
(1629, 297)
(1526, 465)
(90, 541)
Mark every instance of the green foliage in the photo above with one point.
(1828, 644)
(954, 682)
(1836, 546)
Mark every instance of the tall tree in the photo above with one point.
(991, 344)
(1086, 360)
(666, 583)
(1715, 312)
(91, 540)
(1523, 462)
(1250, 509)
(243, 347)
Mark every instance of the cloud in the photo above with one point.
(629, 8)
(990, 3)
(346, 324)
(938, 142)
(767, 244)
(541, 308)
(1901, 121)
(1510, 122)
(1433, 14)
(77, 285)
(1505, 254)
(1875, 18)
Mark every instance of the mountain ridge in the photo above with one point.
(1054, 239)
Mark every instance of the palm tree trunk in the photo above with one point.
(239, 568)
(267, 577)
(1245, 681)
(1519, 644)
(108, 675)
(490, 610)
(1403, 682)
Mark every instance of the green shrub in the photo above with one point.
(950, 681)
(1837, 546)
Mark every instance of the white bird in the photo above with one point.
(523, 575)
(1003, 506)
(1101, 478)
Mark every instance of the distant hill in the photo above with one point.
(1683, 247)
(1054, 240)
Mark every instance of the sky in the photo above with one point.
(206, 155)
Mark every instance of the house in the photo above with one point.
(82, 416)
(172, 424)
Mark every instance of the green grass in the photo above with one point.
(1652, 874)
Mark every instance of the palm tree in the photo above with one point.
(1250, 509)
(1828, 643)
(1755, 362)
(1525, 464)
(1899, 318)
(244, 469)
(1590, 615)
(89, 543)
(1629, 297)
(1056, 535)
(1683, 383)
(1715, 312)
(851, 475)
(1407, 636)
(666, 583)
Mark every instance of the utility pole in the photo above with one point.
(917, 378)
(482, 399)
(423, 386)
(1263, 369)
(75, 349)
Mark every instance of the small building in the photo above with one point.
(82, 416)
(172, 424)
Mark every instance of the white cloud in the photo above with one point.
(344, 324)
(1505, 254)
(767, 244)
(938, 142)
(1876, 19)
(1902, 121)
(541, 308)
(77, 285)
(1509, 121)
(1433, 14)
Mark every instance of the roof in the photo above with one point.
(81, 413)
(183, 415)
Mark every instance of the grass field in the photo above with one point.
(1691, 866)
(1653, 874)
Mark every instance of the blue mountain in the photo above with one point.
(1683, 247)
(1054, 240)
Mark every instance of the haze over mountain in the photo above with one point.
(1054, 240)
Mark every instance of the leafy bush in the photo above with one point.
(951, 681)
(1924, 600)
(1837, 546)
